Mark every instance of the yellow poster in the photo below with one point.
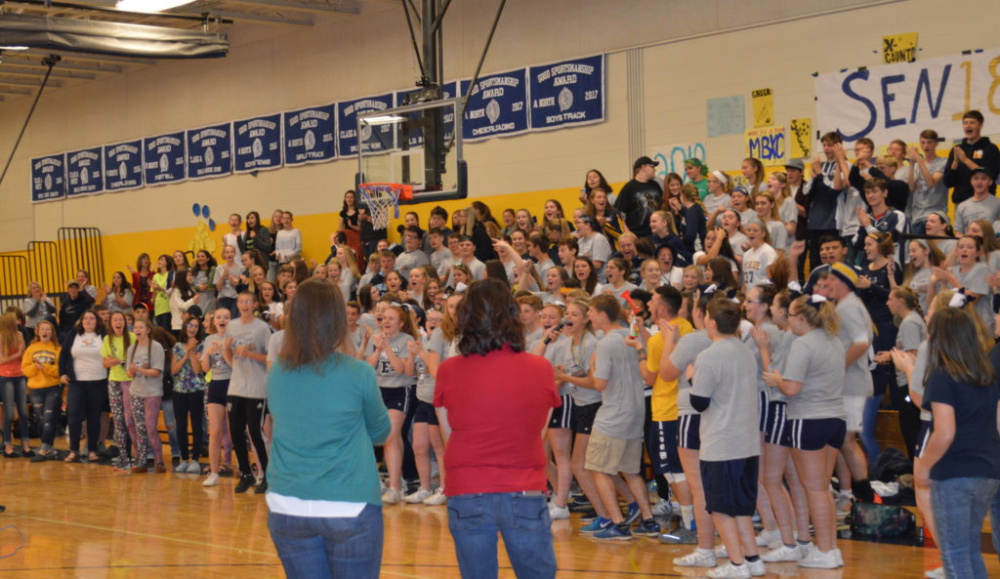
(899, 48)
(767, 144)
(800, 134)
(763, 107)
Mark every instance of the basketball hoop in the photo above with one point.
(379, 197)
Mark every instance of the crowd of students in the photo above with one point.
(678, 320)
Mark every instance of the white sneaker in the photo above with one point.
(720, 552)
(804, 550)
(696, 558)
(935, 573)
(769, 539)
(756, 568)
(662, 509)
(556, 512)
(840, 557)
(391, 496)
(437, 499)
(418, 497)
(843, 506)
(820, 560)
(782, 554)
(730, 571)
(212, 480)
(193, 467)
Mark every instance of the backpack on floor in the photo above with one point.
(874, 520)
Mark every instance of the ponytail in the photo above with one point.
(818, 315)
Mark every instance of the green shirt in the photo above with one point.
(161, 303)
(325, 424)
(115, 346)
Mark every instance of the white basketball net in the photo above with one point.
(380, 197)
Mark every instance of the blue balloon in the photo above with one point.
(196, 208)
(205, 212)
(211, 225)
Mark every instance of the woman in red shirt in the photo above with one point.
(497, 399)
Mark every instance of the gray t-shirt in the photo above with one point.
(729, 426)
(543, 267)
(970, 210)
(597, 248)
(409, 260)
(746, 336)
(385, 376)
(221, 370)
(926, 200)
(556, 353)
(920, 283)
(975, 282)
(441, 260)
(912, 331)
(425, 382)
(623, 405)
(146, 357)
(576, 361)
(711, 202)
(274, 344)
(856, 326)
(683, 356)
(919, 370)
(228, 290)
(779, 357)
(249, 378)
(779, 235)
(817, 361)
(532, 338)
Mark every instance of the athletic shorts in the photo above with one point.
(583, 417)
(923, 438)
(776, 429)
(731, 486)
(425, 413)
(855, 407)
(688, 433)
(762, 408)
(661, 444)
(613, 455)
(218, 392)
(396, 398)
(562, 417)
(817, 433)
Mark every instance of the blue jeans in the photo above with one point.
(14, 393)
(960, 506)
(46, 402)
(316, 548)
(919, 228)
(522, 520)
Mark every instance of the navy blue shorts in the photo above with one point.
(583, 417)
(817, 433)
(396, 398)
(218, 392)
(661, 444)
(425, 413)
(731, 486)
(688, 433)
(776, 429)
(562, 417)
(762, 407)
(923, 437)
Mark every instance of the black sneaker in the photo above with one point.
(261, 488)
(246, 481)
(587, 516)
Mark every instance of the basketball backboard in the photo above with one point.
(418, 145)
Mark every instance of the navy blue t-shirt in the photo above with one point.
(975, 451)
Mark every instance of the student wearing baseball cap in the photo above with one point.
(640, 197)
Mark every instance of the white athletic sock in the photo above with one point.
(687, 515)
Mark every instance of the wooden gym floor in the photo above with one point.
(80, 520)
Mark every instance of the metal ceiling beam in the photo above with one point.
(55, 74)
(73, 56)
(247, 17)
(15, 91)
(340, 7)
(10, 60)
(18, 82)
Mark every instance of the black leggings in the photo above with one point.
(86, 401)
(189, 404)
(246, 415)
(165, 321)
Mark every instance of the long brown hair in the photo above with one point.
(954, 347)
(488, 318)
(10, 337)
(315, 325)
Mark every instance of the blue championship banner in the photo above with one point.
(84, 172)
(164, 159)
(209, 151)
(373, 138)
(567, 93)
(48, 178)
(257, 144)
(310, 135)
(416, 136)
(123, 166)
(497, 106)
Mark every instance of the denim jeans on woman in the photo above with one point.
(523, 522)
(320, 547)
(960, 506)
(46, 403)
(14, 393)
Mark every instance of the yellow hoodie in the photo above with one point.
(46, 353)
